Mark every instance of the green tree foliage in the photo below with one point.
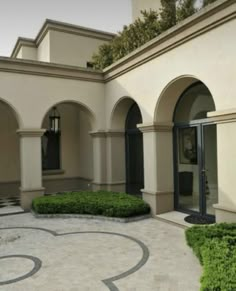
(144, 29)
(132, 37)
(185, 8)
(168, 14)
(206, 2)
(104, 56)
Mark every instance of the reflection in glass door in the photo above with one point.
(187, 169)
(209, 170)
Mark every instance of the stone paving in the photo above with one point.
(90, 255)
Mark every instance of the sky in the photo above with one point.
(25, 17)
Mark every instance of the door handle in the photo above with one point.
(204, 171)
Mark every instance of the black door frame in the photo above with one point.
(199, 125)
(129, 133)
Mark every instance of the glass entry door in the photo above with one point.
(195, 168)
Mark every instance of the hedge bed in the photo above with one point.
(101, 203)
(215, 246)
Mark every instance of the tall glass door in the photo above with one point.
(187, 169)
(196, 168)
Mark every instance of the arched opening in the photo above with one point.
(195, 152)
(67, 150)
(127, 147)
(9, 155)
(134, 151)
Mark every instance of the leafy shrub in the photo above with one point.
(196, 236)
(215, 246)
(104, 203)
(219, 263)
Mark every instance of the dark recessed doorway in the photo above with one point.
(134, 152)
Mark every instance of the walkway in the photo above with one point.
(84, 255)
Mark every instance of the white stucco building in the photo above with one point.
(161, 121)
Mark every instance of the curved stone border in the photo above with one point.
(12, 213)
(109, 282)
(37, 265)
(87, 216)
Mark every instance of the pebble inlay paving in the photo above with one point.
(94, 255)
(36, 266)
(109, 282)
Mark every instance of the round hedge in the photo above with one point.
(103, 203)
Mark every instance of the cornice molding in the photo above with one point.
(30, 132)
(53, 25)
(222, 116)
(205, 20)
(225, 208)
(155, 127)
(29, 67)
(22, 41)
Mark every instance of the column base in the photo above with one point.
(27, 196)
(160, 202)
(224, 213)
(116, 186)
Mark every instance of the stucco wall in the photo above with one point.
(44, 49)
(72, 49)
(27, 53)
(202, 57)
(34, 100)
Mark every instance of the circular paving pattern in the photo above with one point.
(11, 263)
(109, 282)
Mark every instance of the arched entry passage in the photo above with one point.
(134, 151)
(67, 152)
(195, 152)
(127, 147)
(9, 152)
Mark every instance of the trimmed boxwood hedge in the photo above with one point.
(103, 203)
(215, 246)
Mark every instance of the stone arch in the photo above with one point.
(84, 108)
(163, 119)
(10, 122)
(14, 112)
(126, 146)
(170, 95)
(120, 111)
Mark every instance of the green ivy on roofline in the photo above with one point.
(149, 26)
